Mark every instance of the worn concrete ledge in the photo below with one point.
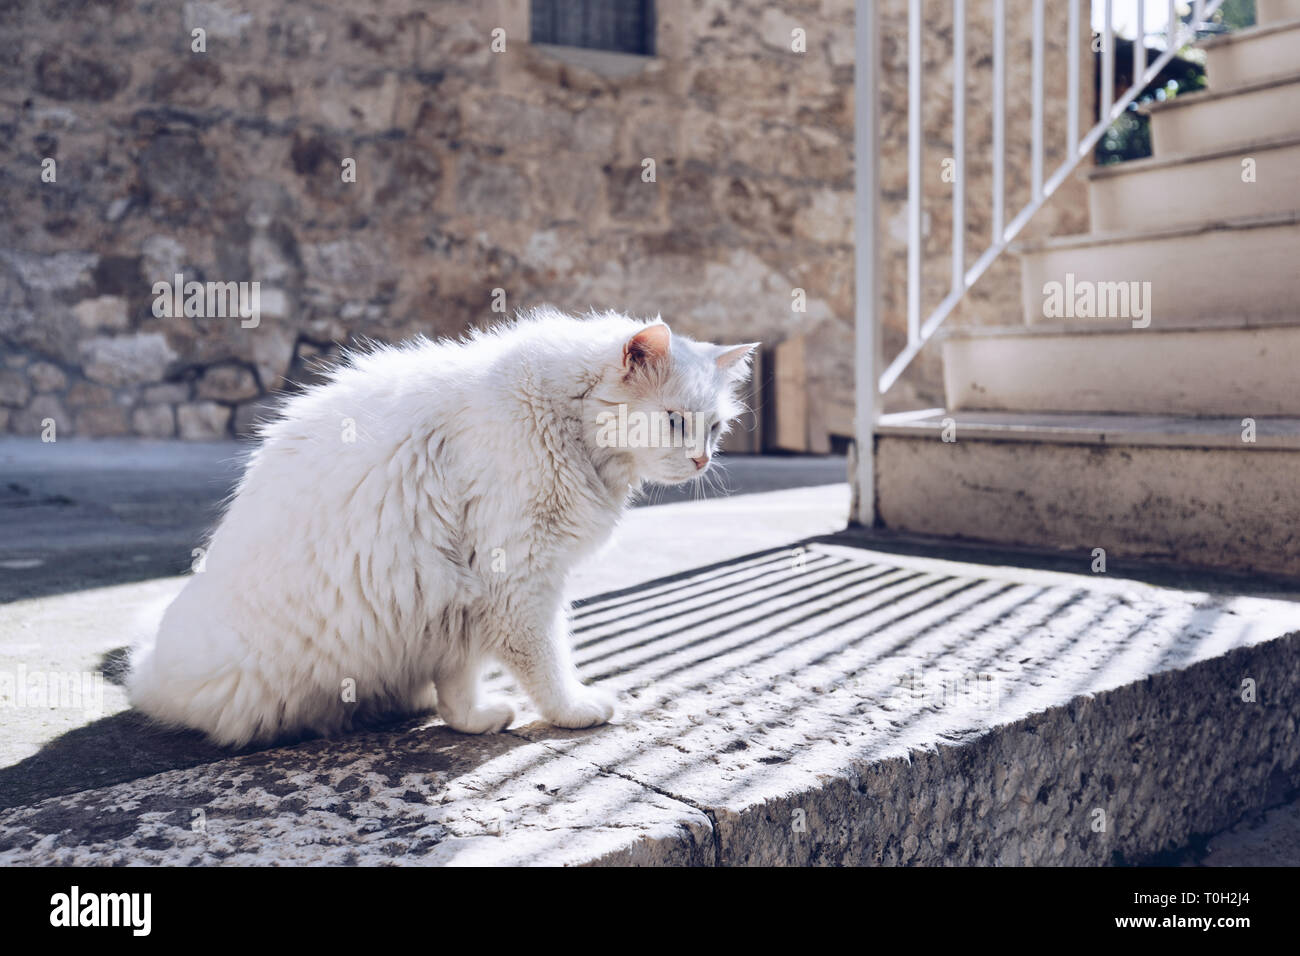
(1278, 433)
(812, 704)
(1166, 499)
(1194, 372)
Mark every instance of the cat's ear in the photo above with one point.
(733, 360)
(648, 347)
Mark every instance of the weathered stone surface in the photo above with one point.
(347, 262)
(227, 383)
(178, 169)
(203, 420)
(827, 218)
(55, 272)
(40, 410)
(13, 388)
(127, 359)
(54, 333)
(218, 19)
(87, 393)
(163, 257)
(46, 377)
(476, 171)
(777, 29)
(490, 189)
(154, 421)
(102, 312)
(814, 705)
(423, 796)
(103, 420)
(170, 393)
(908, 711)
(272, 351)
(630, 196)
(1200, 496)
(66, 74)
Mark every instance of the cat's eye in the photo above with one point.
(713, 429)
(675, 421)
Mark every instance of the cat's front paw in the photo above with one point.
(488, 718)
(585, 707)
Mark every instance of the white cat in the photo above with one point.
(414, 518)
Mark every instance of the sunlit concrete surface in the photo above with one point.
(87, 632)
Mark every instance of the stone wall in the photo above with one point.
(476, 170)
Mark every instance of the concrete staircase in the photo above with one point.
(1150, 403)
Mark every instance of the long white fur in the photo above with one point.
(437, 540)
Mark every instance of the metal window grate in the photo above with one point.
(626, 26)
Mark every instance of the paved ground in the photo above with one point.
(1271, 838)
(78, 514)
(844, 700)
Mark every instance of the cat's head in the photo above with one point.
(665, 401)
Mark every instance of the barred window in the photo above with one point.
(625, 26)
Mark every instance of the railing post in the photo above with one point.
(1107, 63)
(866, 262)
(915, 137)
(999, 117)
(959, 146)
(920, 329)
(1036, 108)
(1072, 81)
(1140, 45)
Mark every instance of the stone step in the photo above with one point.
(1226, 116)
(1178, 489)
(1276, 11)
(1222, 270)
(1198, 187)
(1242, 371)
(1243, 56)
(853, 699)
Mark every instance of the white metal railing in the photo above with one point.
(871, 382)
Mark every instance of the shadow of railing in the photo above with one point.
(796, 658)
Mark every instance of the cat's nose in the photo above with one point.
(700, 462)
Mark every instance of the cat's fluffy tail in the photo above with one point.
(161, 685)
(180, 677)
(156, 688)
(142, 680)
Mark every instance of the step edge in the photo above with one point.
(1236, 323)
(1033, 430)
(1246, 34)
(1149, 163)
(1080, 240)
(1157, 572)
(1213, 94)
